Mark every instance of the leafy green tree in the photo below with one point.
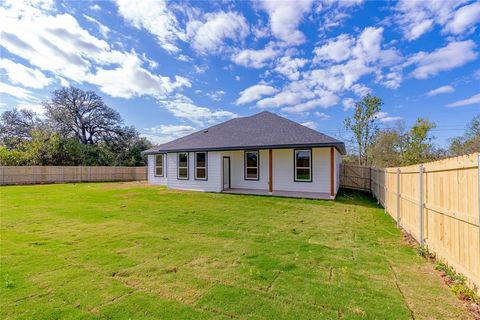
(418, 143)
(387, 147)
(13, 157)
(364, 125)
(469, 142)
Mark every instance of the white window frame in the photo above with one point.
(197, 167)
(157, 166)
(178, 166)
(296, 151)
(257, 167)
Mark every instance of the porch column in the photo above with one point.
(332, 172)
(270, 171)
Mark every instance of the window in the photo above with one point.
(303, 165)
(201, 165)
(159, 165)
(251, 165)
(182, 165)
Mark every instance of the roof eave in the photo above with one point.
(340, 146)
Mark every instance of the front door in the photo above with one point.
(226, 173)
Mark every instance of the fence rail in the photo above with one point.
(436, 202)
(53, 174)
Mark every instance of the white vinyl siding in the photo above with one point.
(237, 170)
(283, 171)
(152, 179)
(214, 166)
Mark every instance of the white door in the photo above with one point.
(226, 173)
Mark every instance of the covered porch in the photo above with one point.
(290, 194)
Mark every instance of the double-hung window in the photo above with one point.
(159, 165)
(303, 165)
(251, 165)
(200, 165)
(182, 165)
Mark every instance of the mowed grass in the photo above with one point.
(127, 250)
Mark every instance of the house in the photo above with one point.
(263, 154)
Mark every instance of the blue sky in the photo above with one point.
(173, 67)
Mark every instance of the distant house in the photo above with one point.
(262, 154)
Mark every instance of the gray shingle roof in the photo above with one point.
(262, 130)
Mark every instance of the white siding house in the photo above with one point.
(263, 154)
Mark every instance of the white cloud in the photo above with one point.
(25, 76)
(216, 95)
(103, 29)
(95, 7)
(237, 78)
(286, 97)
(348, 103)
(440, 90)
(254, 93)
(475, 99)
(385, 117)
(338, 49)
(35, 107)
(182, 107)
(289, 67)
(285, 17)
(58, 44)
(255, 58)
(164, 133)
(210, 35)
(464, 19)
(322, 116)
(17, 92)
(156, 17)
(347, 59)
(326, 100)
(416, 17)
(130, 79)
(453, 55)
(201, 69)
(310, 124)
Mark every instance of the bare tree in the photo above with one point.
(84, 115)
(364, 124)
(16, 126)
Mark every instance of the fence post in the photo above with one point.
(398, 197)
(34, 177)
(370, 180)
(478, 197)
(420, 199)
(385, 196)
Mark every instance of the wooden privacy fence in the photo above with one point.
(53, 174)
(436, 202)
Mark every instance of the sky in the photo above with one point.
(170, 68)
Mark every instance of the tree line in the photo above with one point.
(77, 128)
(399, 146)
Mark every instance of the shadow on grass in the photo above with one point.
(358, 198)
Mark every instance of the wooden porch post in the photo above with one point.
(332, 173)
(270, 171)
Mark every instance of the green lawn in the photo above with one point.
(126, 250)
